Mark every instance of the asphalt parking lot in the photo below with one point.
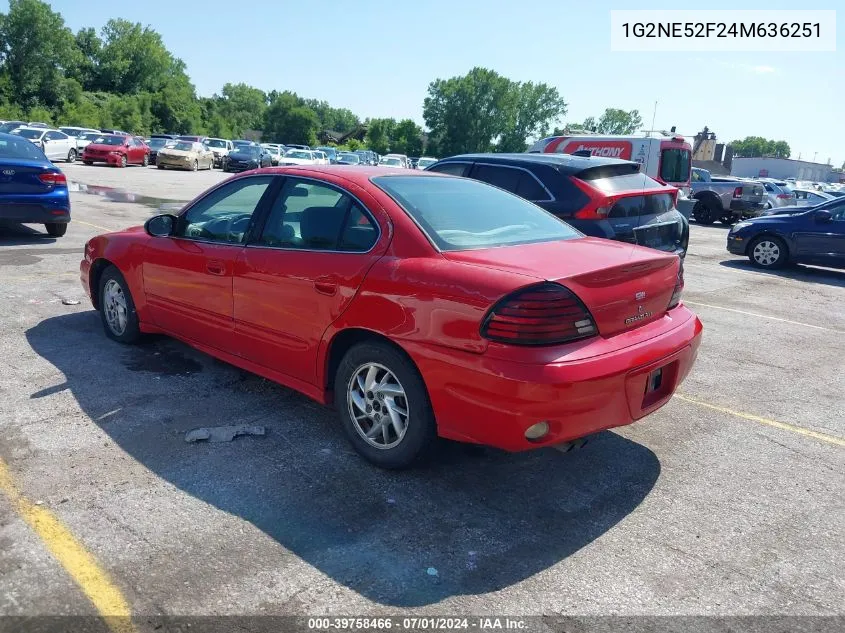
(727, 501)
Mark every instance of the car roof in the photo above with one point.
(565, 163)
(39, 129)
(353, 173)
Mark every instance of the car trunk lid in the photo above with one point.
(623, 286)
(23, 177)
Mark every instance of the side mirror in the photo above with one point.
(161, 225)
(823, 216)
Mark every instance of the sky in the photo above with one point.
(377, 58)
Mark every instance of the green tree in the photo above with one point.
(286, 120)
(379, 133)
(34, 47)
(756, 146)
(243, 106)
(334, 119)
(467, 113)
(616, 121)
(529, 110)
(133, 59)
(406, 138)
(84, 65)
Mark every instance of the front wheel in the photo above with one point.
(768, 252)
(117, 309)
(71, 156)
(146, 160)
(384, 406)
(195, 166)
(56, 229)
(123, 161)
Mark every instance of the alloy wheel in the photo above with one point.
(114, 306)
(378, 405)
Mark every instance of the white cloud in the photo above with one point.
(761, 69)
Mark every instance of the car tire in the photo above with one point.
(116, 300)
(195, 166)
(768, 251)
(71, 156)
(396, 393)
(123, 162)
(146, 161)
(704, 212)
(727, 219)
(56, 229)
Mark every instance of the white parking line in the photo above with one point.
(764, 316)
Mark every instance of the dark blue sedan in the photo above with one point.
(807, 236)
(32, 189)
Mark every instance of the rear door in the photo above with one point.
(55, 145)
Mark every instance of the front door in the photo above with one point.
(820, 242)
(302, 272)
(188, 277)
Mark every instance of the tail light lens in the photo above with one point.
(599, 205)
(52, 178)
(784, 196)
(738, 192)
(679, 288)
(545, 314)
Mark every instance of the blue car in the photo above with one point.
(32, 189)
(794, 235)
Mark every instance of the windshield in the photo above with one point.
(675, 165)
(216, 142)
(425, 162)
(70, 131)
(393, 162)
(14, 148)
(182, 146)
(89, 136)
(461, 214)
(110, 139)
(155, 143)
(187, 138)
(29, 133)
(349, 158)
(298, 153)
(249, 150)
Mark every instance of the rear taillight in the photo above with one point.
(784, 196)
(52, 178)
(679, 288)
(738, 192)
(545, 314)
(599, 205)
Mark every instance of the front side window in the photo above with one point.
(460, 214)
(224, 214)
(675, 165)
(313, 216)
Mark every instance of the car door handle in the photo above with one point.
(215, 267)
(326, 285)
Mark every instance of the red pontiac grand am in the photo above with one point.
(418, 304)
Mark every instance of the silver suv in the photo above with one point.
(778, 193)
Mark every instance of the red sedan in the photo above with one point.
(418, 304)
(116, 150)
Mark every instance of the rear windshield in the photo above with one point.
(460, 214)
(109, 140)
(635, 206)
(215, 142)
(674, 165)
(158, 142)
(14, 148)
(628, 182)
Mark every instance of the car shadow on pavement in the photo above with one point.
(798, 272)
(15, 234)
(471, 521)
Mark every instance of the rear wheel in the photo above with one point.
(123, 161)
(56, 229)
(117, 309)
(768, 251)
(384, 406)
(146, 160)
(705, 212)
(71, 156)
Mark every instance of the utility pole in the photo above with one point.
(654, 117)
(814, 156)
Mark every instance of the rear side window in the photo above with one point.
(531, 189)
(505, 178)
(635, 206)
(453, 169)
(674, 165)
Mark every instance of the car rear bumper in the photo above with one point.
(747, 208)
(50, 208)
(493, 401)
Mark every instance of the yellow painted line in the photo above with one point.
(72, 555)
(763, 316)
(824, 437)
(95, 226)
